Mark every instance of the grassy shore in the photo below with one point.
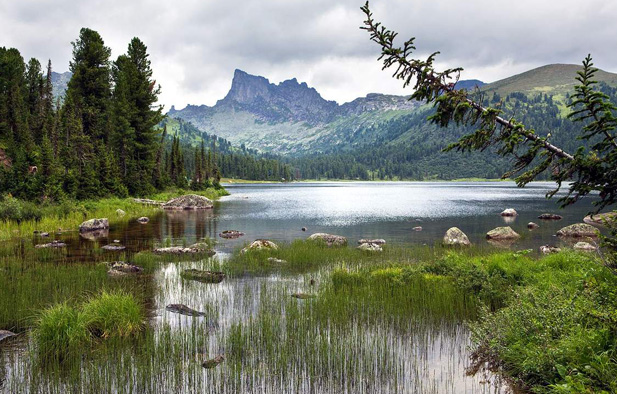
(21, 219)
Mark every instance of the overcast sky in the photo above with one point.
(195, 45)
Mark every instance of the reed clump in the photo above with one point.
(63, 331)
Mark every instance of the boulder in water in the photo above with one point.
(143, 220)
(189, 201)
(454, 237)
(509, 212)
(372, 241)
(532, 225)
(417, 228)
(203, 276)
(120, 268)
(4, 334)
(550, 216)
(213, 362)
(198, 248)
(578, 230)
(94, 225)
(231, 234)
(114, 248)
(52, 244)
(183, 310)
(329, 239)
(548, 249)
(260, 244)
(585, 246)
(303, 296)
(601, 219)
(370, 247)
(501, 233)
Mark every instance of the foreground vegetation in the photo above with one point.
(547, 324)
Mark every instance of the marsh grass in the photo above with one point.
(65, 332)
(303, 256)
(61, 333)
(113, 314)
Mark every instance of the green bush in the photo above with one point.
(10, 209)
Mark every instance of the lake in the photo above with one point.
(394, 356)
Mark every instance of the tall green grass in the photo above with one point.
(63, 332)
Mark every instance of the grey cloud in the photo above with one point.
(196, 44)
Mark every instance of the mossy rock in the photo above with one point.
(203, 276)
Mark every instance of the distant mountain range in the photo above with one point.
(291, 118)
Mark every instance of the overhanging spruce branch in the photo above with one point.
(433, 86)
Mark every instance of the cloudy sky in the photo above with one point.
(195, 45)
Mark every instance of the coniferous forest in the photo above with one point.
(107, 136)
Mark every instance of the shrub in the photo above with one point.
(10, 209)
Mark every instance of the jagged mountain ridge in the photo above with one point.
(289, 117)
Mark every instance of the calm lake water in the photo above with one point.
(356, 210)
(420, 358)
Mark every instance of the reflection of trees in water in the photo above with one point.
(191, 224)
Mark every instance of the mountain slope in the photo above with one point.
(556, 79)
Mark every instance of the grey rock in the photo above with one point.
(585, 246)
(578, 230)
(120, 212)
(417, 228)
(189, 201)
(548, 249)
(143, 220)
(52, 244)
(4, 334)
(114, 248)
(94, 225)
(198, 248)
(454, 237)
(550, 216)
(231, 234)
(601, 219)
(213, 362)
(501, 233)
(370, 247)
(183, 310)
(372, 241)
(329, 239)
(260, 244)
(120, 268)
(203, 276)
(509, 212)
(532, 225)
